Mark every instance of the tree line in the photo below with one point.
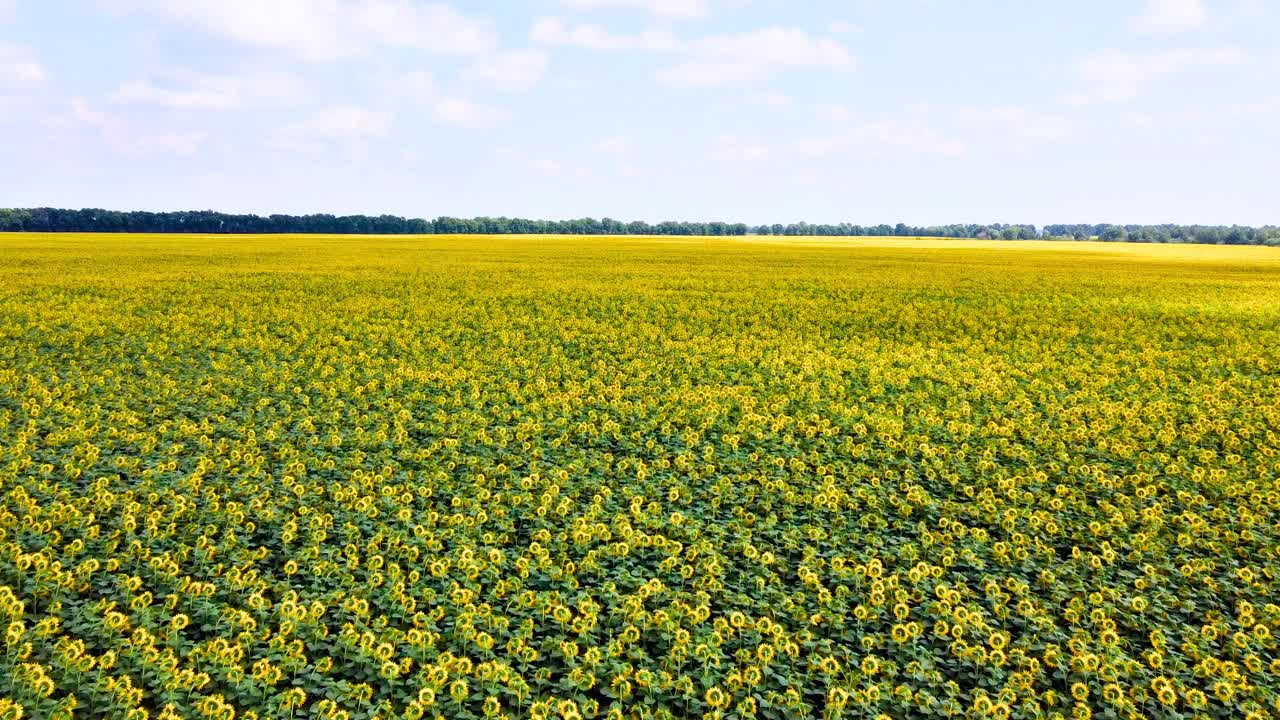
(208, 221)
(1167, 233)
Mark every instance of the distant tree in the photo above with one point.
(1113, 233)
(208, 221)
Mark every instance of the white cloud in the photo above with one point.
(553, 32)
(834, 112)
(469, 114)
(818, 146)
(669, 9)
(782, 47)
(326, 29)
(433, 26)
(340, 124)
(8, 8)
(1015, 122)
(83, 113)
(736, 59)
(185, 90)
(514, 157)
(770, 98)
(1138, 120)
(1114, 76)
(710, 73)
(19, 68)
(547, 166)
(745, 58)
(615, 145)
(1259, 108)
(879, 138)
(511, 70)
(185, 144)
(734, 148)
(117, 136)
(870, 139)
(1164, 16)
(1252, 9)
(417, 86)
(420, 88)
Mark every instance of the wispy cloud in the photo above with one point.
(880, 136)
(1254, 109)
(519, 158)
(769, 98)
(1005, 122)
(415, 86)
(614, 145)
(340, 125)
(183, 143)
(735, 148)
(717, 60)
(19, 68)
(119, 137)
(745, 58)
(420, 88)
(511, 70)
(833, 112)
(1115, 76)
(910, 133)
(553, 32)
(462, 112)
(669, 9)
(1166, 16)
(187, 90)
(326, 30)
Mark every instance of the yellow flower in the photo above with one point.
(1196, 699)
(716, 698)
(837, 698)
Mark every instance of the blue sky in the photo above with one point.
(868, 111)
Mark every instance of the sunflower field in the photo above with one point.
(571, 478)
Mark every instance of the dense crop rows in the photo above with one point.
(554, 479)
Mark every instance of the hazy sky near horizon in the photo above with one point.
(867, 111)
